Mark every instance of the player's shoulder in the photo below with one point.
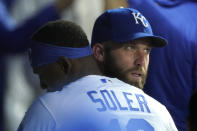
(37, 113)
(158, 108)
(98, 82)
(154, 102)
(94, 81)
(163, 114)
(98, 78)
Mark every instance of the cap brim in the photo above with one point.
(157, 41)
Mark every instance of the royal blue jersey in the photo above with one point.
(97, 103)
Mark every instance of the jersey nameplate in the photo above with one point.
(107, 100)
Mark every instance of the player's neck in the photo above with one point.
(84, 67)
(80, 68)
(90, 67)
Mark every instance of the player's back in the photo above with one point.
(101, 103)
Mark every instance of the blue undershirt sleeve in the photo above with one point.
(17, 39)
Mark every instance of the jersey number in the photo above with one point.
(132, 125)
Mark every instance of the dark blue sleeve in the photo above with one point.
(16, 40)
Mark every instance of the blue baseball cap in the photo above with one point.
(123, 25)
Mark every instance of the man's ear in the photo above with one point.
(65, 64)
(98, 52)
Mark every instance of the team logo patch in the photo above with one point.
(138, 16)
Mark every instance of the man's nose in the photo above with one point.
(140, 58)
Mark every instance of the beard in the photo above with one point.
(111, 69)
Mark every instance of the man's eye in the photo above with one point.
(148, 50)
(130, 47)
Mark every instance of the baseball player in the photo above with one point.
(88, 101)
(172, 74)
(122, 40)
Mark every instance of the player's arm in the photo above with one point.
(17, 39)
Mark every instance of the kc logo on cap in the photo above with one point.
(140, 17)
(122, 25)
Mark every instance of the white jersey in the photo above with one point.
(97, 103)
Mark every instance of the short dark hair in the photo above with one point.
(61, 33)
